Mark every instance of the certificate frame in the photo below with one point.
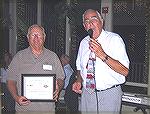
(38, 87)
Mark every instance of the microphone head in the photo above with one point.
(90, 33)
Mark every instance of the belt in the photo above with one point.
(107, 88)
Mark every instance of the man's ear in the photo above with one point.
(102, 21)
(28, 38)
(83, 25)
(44, 39)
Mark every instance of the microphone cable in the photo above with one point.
(90, 33)
(97, 105)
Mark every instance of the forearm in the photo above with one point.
(112, 63)
(116, 66)
(12, 88)
(60, 83)
(79, 78)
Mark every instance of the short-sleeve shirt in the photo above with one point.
(113, 46)
(24, 62)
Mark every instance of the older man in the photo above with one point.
(35, 59)
(102, 65)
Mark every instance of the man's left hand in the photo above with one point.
(56, 92)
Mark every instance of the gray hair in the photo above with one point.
(36, 25)
(91, 10)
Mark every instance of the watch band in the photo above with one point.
(105, 59)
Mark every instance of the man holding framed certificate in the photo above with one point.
(35, 75)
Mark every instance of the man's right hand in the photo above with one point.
(76, 87)
(23, 101)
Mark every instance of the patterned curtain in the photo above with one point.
(131, 21)
(26, 16)
(5, 24)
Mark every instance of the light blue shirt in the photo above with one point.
(68, 73)
(4, 74)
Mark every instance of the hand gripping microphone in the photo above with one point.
(90, 33)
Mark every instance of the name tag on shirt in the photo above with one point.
(47, 67)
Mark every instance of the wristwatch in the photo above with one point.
(105, 59)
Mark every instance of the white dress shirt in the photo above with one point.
(113, 46)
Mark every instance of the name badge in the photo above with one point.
(47, 67)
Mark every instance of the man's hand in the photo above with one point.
(76, 87)
(59, 85)
(97, 49)
(22, 101)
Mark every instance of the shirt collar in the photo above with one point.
(42, 54)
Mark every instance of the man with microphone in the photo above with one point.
(102, 65)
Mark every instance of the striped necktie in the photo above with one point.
(90, 79)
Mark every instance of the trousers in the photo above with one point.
(108, 101)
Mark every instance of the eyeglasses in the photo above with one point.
(37, 35)
(91, 20)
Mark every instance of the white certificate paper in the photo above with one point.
(38, 87)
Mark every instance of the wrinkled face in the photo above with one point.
(36, 38)
(92, 21)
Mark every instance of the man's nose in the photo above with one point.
(90, 25)
(36, 35)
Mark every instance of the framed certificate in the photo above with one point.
(38, 87)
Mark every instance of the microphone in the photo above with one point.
(90, 33)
